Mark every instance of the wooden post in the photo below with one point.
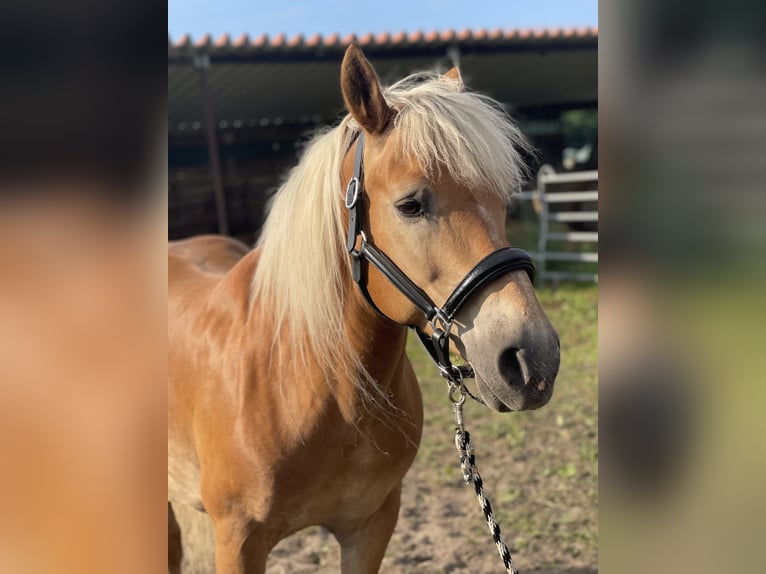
(202, 63)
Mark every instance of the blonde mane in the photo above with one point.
(303, 271)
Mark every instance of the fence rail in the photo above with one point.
(567, 216)
(579, 236)
(572, 196)
(552, 191)
(548, 175)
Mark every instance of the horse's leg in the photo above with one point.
(175, 550)
(241, 547)
(231, 533)
(363, 546)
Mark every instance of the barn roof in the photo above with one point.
(263, 79)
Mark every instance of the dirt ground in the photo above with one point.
(540, 471)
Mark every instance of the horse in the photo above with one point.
(291, 400)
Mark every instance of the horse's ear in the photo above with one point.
(363, 93)
(453, 75)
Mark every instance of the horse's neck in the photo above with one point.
(380, 345)
(377, 342)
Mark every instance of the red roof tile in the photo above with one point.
(390, 39)
(415, 36)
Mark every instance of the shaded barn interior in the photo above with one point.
(240, 110)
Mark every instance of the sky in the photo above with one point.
(198, 17)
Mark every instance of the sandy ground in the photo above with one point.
(429, 539)
(440, 530)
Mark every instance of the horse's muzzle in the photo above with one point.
(524, 379)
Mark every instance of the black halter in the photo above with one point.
(491, 267)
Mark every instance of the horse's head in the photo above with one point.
(439, 165)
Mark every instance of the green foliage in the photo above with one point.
(579, 127)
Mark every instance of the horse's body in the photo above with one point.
(291, 400)
(279, 457)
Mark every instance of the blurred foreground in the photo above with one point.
(682, 280)
(82, 288)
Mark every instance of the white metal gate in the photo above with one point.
(570, 191)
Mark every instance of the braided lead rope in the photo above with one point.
(471, 475)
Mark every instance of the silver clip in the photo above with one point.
(456, 395)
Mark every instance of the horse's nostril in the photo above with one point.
(510, 367)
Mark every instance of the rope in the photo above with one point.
(471, 475)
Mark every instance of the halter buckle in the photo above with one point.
(352, 192)
(440, 317)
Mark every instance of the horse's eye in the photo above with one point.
(410, 208)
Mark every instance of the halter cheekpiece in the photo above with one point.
(494, 265)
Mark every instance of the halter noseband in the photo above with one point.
(494, 265)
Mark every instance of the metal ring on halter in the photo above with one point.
(458, 372)
(460, 399)
(351, 199)
(447, 373)
(452, 373)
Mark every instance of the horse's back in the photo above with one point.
(208, 272)
(213, 254)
